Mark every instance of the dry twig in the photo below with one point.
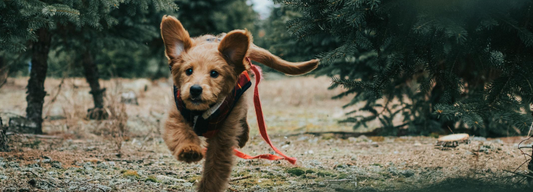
(240, 178)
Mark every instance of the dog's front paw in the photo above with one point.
(190, 153)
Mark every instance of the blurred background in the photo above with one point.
(412, 68)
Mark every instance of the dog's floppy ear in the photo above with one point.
(175, 37)
(234, 47)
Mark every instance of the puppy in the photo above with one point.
(210, 75)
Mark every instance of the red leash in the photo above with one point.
(262, 125)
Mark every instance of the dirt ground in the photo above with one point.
(126, 152)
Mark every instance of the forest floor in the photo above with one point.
(78, 154)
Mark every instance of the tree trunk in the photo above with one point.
(3, 72)
(3, 138)
(92, 76)
(39, 66)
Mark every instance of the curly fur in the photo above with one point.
(227, 58)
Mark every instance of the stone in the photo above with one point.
(57, 164)
(408, 173)
(102, 165)
(129, 98)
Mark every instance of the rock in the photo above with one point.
(102, 165)
(57, 164)
(129, 98)
(13, 165)
(88, 166)
(408, 173)
(393, 170)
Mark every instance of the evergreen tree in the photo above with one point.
(275, 37)
(123, 27)
(449, 65)
(85, 25)
(24, 21)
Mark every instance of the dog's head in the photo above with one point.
(204, 72)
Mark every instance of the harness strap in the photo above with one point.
(262, 125)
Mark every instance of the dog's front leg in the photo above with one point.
(181, 139)
(219, 160)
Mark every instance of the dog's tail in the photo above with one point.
(265, 57)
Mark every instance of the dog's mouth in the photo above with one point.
(196, 101)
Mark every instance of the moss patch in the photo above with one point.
(325, 174)
(296, 171)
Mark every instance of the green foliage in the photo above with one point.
(462, 64)
(80, 26)
(20, 20)
(201, 17)
(279, 41)
(235, 15)
(122, 35)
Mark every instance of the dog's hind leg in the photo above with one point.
(244, 136)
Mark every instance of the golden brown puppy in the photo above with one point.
(205, 71)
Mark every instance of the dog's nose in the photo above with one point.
(196, 90)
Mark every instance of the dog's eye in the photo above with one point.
(214, 74)
(188, 71)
